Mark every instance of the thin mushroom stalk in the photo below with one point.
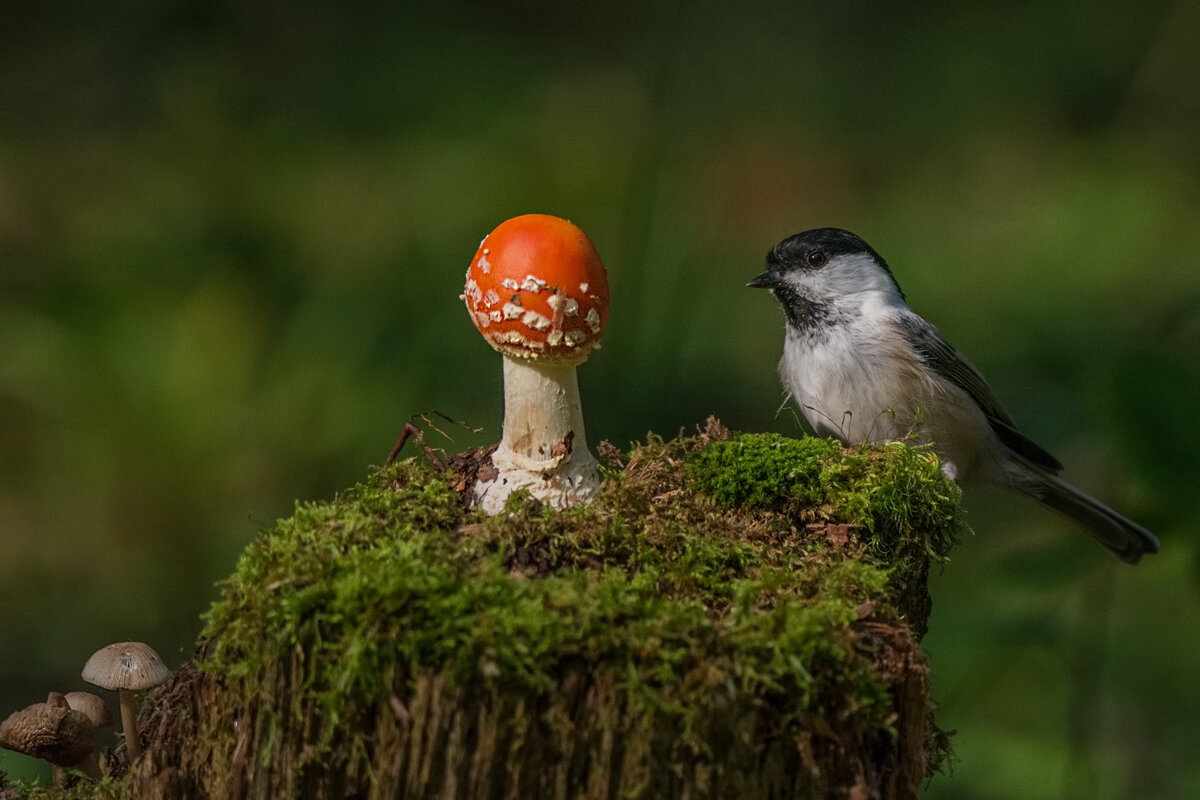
(128, 701)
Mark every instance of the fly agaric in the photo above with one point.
(538, 293)
(127, 667)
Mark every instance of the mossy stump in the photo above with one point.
(731, 617)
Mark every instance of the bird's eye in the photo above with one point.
(816, 259)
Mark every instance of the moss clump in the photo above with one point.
(895, 493)
(724, 618)
(78, 787)
(763, 471)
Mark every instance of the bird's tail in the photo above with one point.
(1128, 540)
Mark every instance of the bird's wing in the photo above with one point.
(940, 356)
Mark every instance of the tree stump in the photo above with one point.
(731, 617)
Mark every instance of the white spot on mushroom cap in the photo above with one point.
(569, 305)
(593, 320)
(512, 310)
(510, 283)
(472, 291)
(583, 287)
(536, 321)
(491, 297)
(521, 341)
(559, 345)
(485, 266)
(532, 283)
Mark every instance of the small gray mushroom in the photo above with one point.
(126, 667)
(91, 706)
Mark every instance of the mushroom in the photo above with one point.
(52, 732)
(96, 711)
(90, 706)
(127, 667)
(538, 293)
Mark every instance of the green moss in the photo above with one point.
(394, 575)
(762, 471)
(894, 496)
(365, 588)
(81, 788)
(895, 492)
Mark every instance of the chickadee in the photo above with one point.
(863, 367)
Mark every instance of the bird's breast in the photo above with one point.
(853, 385)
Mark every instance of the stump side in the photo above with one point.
(588, 738)
(659, 643)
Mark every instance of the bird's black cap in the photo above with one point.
(794, 251)
(812, 250)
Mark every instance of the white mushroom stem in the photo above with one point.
(544, 448)
(541, 409)
(133, 747)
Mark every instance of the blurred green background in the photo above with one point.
(232, 238)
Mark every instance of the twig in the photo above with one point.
(412, 430)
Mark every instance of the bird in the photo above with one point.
(864, 367)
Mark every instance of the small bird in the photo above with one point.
(864, 367)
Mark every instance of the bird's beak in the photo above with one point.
(767, 280)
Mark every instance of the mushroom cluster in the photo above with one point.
(54, 732)
(538, 293)
(62, 729)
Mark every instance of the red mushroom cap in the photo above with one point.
(536, 289)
